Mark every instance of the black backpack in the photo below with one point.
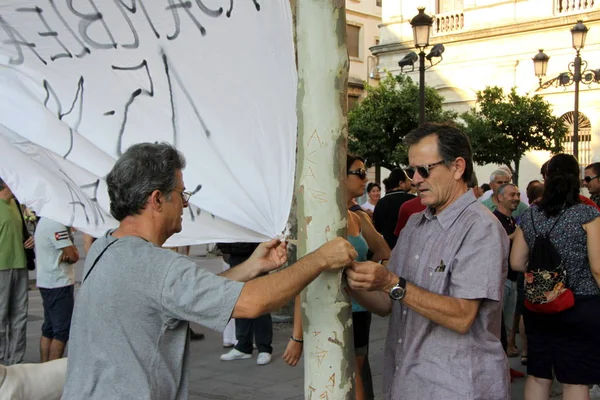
(546, 278)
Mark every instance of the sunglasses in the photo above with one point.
(361, 173)
(588, 179)
(184, 195)
(423, 170)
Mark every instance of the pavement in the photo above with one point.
(212, 379)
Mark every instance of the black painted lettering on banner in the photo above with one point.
(16, 39)
(133, 9)
(185, 6)
(88, 19)
(49, 32)
(228, 13)
(84, 49)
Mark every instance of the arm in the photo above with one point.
(519, 254)
(268, 293)
(267, 257)
(452, 313)
(593, 238)
(376, 242)
(294, 348)
(88, 240)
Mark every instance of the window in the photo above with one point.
(446, 6)
(585, 137)
(378, 3)
(352, 102)
(353, 40)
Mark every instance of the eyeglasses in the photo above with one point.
(361, 173)
(184, 195)
(588, 179)
(423, 170)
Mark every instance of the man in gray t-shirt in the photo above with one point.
(129, 336)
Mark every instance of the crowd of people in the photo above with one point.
(460, 269)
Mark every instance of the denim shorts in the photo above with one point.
(58, 310)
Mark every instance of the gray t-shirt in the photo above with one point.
(129, 335)
(50, 238)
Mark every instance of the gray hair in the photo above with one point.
(499, 172)
(501, 188)
(142, 169)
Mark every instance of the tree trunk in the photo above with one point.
(515, 177)
(321, 202)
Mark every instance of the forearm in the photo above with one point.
(376, 302)
(596, 277)
(239, 273)
(452, 313)
(297, 329)
(271, 292)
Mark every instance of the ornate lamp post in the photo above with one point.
(421, 25)
(577, 74)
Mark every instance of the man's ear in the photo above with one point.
(156, 200)
(460, 165)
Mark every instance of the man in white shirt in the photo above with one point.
(55, 255)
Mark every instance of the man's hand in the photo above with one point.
(370, 276)
(29, 243)
(337, 253)
(268, 256)
(292, 353)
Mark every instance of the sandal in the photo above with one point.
(524, 359)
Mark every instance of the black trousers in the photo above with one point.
(248, 331)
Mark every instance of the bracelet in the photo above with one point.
(382, 261)
(296, 339)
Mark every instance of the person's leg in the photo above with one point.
(537, 388)
(61, 313)
(575, 392)
(5, 289)
(47, 332)
(45, 348)
(360, 387)
(17, 325)
(263, 333)
(523, 335)
(243, 334)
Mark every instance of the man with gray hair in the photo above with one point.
(498, 178)
(14, 279)
(129, 334)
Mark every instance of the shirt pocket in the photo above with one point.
(437, 278)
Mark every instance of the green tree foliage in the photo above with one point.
(379, 122)
(506, 126)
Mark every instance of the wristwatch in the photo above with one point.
(398, 291)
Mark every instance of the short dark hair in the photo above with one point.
(544, 169)
(142, 169)
(452, 143)
(561, 187)
(535, 190)
(594, 167)
(351, 158)
(371, 185)
(474, 182)
(2, 184)
(485, 187)
(393, 180)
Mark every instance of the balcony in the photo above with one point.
(449, 23)
(569, 6)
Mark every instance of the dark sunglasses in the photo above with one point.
(588, 179)
(423, 170)
(361, 173)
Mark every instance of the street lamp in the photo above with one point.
(421, 25)
(574, 76)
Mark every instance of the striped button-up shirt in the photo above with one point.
(461, 253)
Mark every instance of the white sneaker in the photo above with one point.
(235, 354)
(595, 392)
(263, 358)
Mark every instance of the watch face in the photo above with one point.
(397, 293)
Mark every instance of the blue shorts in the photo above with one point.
(58, 310)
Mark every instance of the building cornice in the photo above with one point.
(482, 34)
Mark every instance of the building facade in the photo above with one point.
(363, 18)
(491, 43)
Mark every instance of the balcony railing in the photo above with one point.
(568, 6)
(449, 22)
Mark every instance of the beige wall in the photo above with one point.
(491, 42)
(367, 15)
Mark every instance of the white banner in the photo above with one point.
(82, 80)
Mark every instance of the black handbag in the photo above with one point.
(29, 253)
